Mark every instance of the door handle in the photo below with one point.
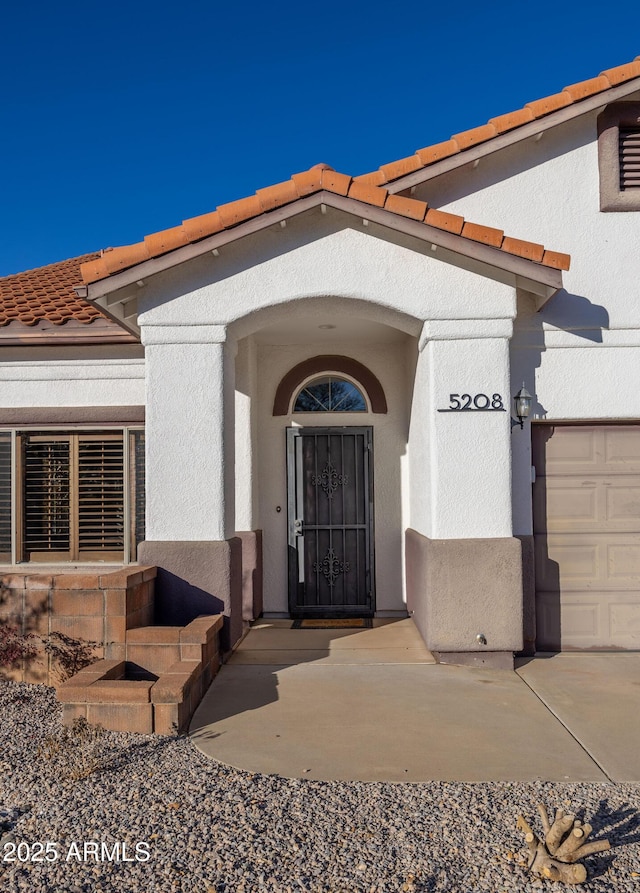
(297, 527)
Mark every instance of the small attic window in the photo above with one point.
(619, 157)
(330, 394)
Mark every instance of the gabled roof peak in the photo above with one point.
(317, 179)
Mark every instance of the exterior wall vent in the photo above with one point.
(629, 143)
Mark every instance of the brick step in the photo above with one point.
(156, 688)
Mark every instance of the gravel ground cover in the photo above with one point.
(124, 812)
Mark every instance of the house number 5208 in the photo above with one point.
(482, 402)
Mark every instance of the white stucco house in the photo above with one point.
(302, 403)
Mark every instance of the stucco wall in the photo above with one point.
(581, 353)
(72, 376)
(316, 256)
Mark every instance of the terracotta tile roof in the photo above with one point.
(316, 179)
(47, 294)
(574, 93)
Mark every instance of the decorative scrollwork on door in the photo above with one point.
(329, 480)
(331, 567)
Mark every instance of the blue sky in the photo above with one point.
(121, 119)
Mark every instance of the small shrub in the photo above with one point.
(15, 645)
(76, 752)
(70, 655)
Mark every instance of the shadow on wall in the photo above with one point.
(547, 572)
(580, 317)
(576, 314)
(178, 602)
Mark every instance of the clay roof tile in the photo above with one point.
(240, 210)
(451, 223)
(622, 73)
(587, 88)
(528, 250)
(200, 227)
(406, 207)
(476, 135)
(375, 178)
(548, 104)
(309, 181)
(336, 182)
(371, 195)
(486, 234)
(513, 119)
(278, 195)
(399, 168)
(47, 294)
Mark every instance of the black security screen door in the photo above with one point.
(330, 522)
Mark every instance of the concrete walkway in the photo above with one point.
(372, 705)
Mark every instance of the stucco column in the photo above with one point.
(246, 434)
(464, 568)
(190, 432)
(246, 488)
(470, 449)
(190, 462)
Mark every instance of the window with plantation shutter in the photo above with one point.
(73, 496)
(629, 141)
(5, 496)
(100, 495)
(137, 489)
(47, 496)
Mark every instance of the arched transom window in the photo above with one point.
(330, 393)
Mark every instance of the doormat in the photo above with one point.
(341, 623)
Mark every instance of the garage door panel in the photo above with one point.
(560, 564)
(622, 449)
(622, 502)
(623, 563)
(584, 620)
(577, 447)
(564, 504)
(602, 503)
(588, 561)
(624, 620)
(587, 536)
(574, 623)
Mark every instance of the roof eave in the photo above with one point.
(116, 294)
(509, 138)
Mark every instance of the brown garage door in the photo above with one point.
(586, 510)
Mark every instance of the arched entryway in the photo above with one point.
(339, 416)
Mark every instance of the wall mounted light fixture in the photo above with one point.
(523, 401)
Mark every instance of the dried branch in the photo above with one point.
(597, 846)
(557, 831)
(546, 824)
(565, 841)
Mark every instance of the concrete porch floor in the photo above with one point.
(372, 705)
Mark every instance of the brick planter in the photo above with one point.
(159, 695)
